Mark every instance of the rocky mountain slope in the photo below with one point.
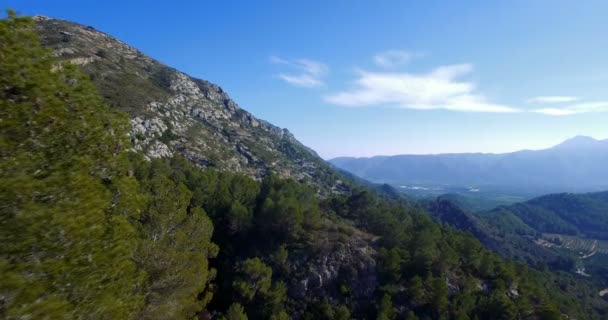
(172, 112)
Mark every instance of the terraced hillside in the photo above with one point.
(582, 246)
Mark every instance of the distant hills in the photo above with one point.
(562, 230)
(576, 165)
(583, 215)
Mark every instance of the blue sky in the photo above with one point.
(361, 78)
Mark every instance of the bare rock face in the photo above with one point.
(173, 113)
(338, 264)
(329, 270)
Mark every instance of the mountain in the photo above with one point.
(576, 165)
(580, 143)
(173, 113)
(102, 222)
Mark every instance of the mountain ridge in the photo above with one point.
(576, 139)
(174, 113)
(574, 166)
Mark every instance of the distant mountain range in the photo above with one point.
(576, 165)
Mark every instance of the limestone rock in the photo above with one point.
(172, 112)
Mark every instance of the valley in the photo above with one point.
(473, 197)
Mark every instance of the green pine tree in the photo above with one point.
(67, 240)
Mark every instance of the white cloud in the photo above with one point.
(301, 80)
(552, 99)
(555, 111)
(586, 107)
(306, 73)
(438, 89)
(394, 58)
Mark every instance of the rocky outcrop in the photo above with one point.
(173, 113)
(325, 272)
(340, 264)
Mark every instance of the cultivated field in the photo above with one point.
(582, 246)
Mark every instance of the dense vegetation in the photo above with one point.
(558, 232)
(550, 217)
(572, 214)
(91, 230)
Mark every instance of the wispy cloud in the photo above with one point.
(552, 99)
(301, 80)
(438, 89)
(305, 72)
(585, 107)
(394, 58)
(441, 88)
(277, 60)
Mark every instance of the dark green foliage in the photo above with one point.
(82, 237)
(67, 242)
(385, 311)
(549, 312)
(287, 209)
(254, 287)
(280, 259)
(327, 311)
(175, 246)
(499, 307)
(439, 297)
(389, 264)
(235, 312)
(254, 278)
(572, 214)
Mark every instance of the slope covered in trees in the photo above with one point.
(92, 230)
(583, 215)
(561, 232)
(82, 237)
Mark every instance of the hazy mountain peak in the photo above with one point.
(578, 142)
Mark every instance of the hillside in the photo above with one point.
(584, 215)
(564, 231)
(173, 113)
(575, 165)
(500, 232)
